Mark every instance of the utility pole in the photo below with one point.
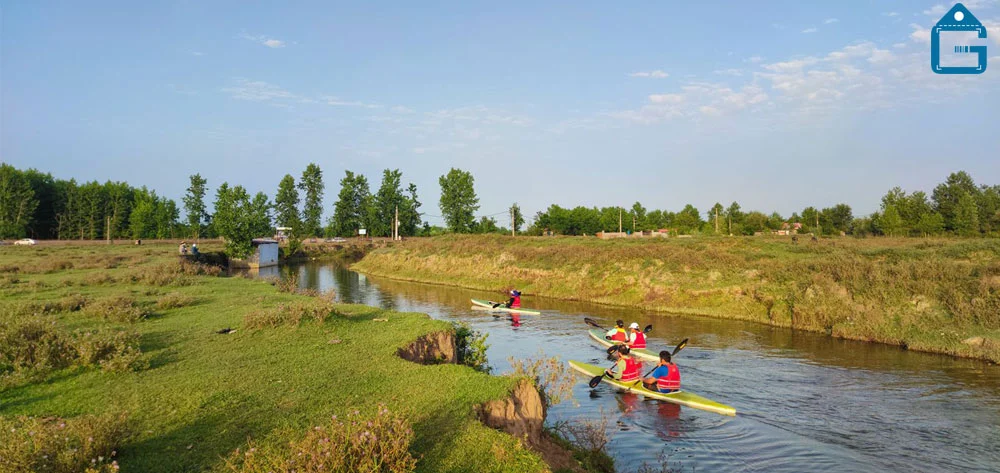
(512, 220)
(817, 223)
(108, 229)
(395, 225)
(716, 220)
(633, 224)
(619, 219)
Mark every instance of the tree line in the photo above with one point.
(957, 206)
(38, 205)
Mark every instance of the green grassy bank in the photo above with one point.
(935, 295)
(118, 344)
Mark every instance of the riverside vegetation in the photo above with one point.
(934, 295)
(110, 358)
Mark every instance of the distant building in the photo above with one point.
(282, 233)
(265, 254)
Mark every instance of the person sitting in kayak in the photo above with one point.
(666, 378)
(513, 303)
(617, 334)
(636, 339)
(627, 368)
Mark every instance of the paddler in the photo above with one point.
(636, 339)
(513, 303)
(627, 368)
(617, 334)
(666, 378)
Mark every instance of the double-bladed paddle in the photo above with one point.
(597, 379)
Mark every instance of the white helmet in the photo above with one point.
(634, 325)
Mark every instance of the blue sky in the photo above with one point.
(777, 105)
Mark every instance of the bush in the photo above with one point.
(292, 314)
(174, 300)
(34, 346)
(355, 445)
(471, 346)
(70, 303)
(114, 351)
(553, 378)
(118, 309)
(52, 445)
(99, 278)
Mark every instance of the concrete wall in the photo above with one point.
(267, 254)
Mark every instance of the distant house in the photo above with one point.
(265, 254)
(282, 233)
(789, 228)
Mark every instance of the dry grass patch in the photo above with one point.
(117, 308)
(86, 444)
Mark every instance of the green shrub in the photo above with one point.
(355, 445)
(86, 444)
(471, 347)
(292, 314)
(115, 351)
(174, 300)
(118, 309)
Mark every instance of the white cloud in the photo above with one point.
(666, 98)
(754, 59)
(257, 91)
(730, 72)
(402, 109)
(899, 45)
(657, 74)
(338, 102)
(920, 34)
(936, 10)
(890, 13)
(829, 21)
(197, 53)
(264, 40)
(810, 30)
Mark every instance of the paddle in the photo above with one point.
(612, 348)
(680, 346)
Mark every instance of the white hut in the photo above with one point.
(265, 254)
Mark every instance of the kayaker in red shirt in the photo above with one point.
(617, 334)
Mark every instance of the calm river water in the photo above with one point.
(804, 402)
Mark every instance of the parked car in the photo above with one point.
(26, 241)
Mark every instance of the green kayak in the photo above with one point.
(598, 335)
(683, 398)
(489, 304)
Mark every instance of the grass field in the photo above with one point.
(935, 295)
(121, 340)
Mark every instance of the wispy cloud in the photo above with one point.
(197, 53)
(754, 59)
(338, 102)
(730, 72)
(264, 40)
(810, 30)
(890, 13)
(830, 21)
(657, 74)
(257, 91)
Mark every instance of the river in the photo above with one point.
(805, 402)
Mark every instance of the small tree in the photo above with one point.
(194, 204)
(458, 200)
(312, 184)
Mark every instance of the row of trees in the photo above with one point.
(35, 204)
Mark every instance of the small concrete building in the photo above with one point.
(265, 254)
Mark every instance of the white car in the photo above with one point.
(26, 241)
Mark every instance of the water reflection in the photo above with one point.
(806, 402)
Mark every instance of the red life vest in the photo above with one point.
(640, 340)
(631, 372)
(619, 336)
(672, 381)
(516, 304)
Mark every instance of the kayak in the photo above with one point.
(489, 304)
(683, 398)
(598, 336)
